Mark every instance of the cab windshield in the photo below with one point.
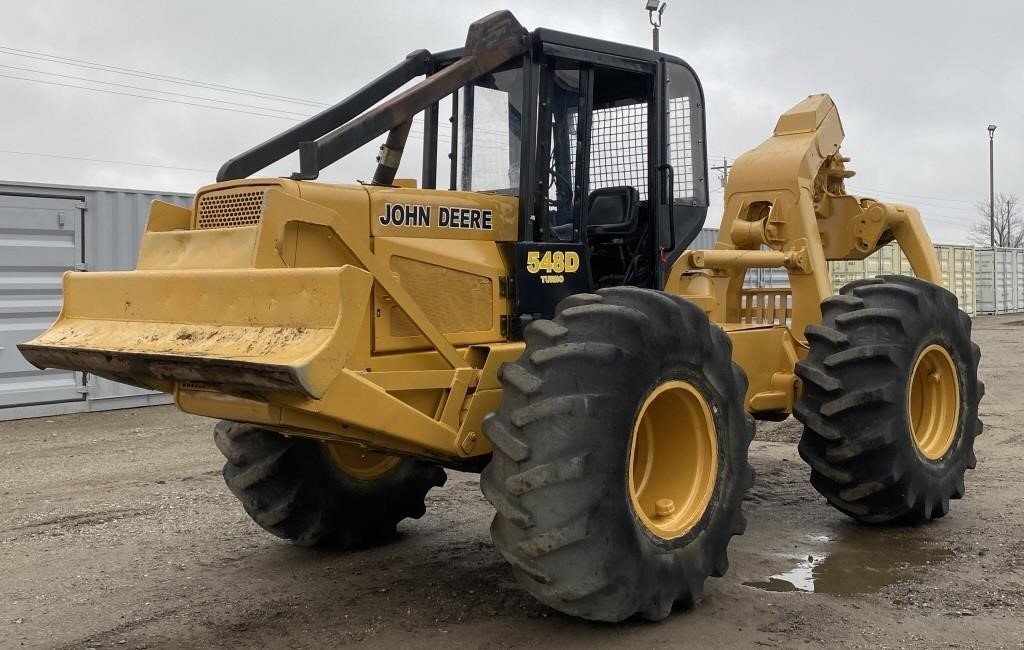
(490, 131)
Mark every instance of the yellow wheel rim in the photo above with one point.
(673, 460)
(934, 398)
(361, 463)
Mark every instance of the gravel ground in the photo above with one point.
(117, 531)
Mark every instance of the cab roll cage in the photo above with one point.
(491, 43)
(339, 130)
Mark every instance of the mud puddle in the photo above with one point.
(855, 560)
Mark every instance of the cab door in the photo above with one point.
(552, 262)
(596, 204)
(682, 162)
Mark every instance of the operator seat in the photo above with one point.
(613, 211)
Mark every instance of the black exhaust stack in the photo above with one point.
(390, 156)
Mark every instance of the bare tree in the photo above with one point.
(1009, 225)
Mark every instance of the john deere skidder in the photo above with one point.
(541, 320)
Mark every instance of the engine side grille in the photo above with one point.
(455, 301)
(233, 208)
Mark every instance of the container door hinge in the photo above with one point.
(84, 387)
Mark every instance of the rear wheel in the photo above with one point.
(890, 400)
(320, 494)
(620, 455)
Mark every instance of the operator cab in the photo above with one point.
(603, 144)
(614, 174)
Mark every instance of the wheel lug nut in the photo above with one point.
(664, 507)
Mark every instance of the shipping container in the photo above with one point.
(46, 230)
(957, 264)
(705, 240)
(1000, 280)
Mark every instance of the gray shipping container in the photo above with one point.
(705, 240)
(46, 230)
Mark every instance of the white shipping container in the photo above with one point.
(1000, 280)
(956, 262)
(1018, 286)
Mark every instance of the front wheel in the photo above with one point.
(319, 494)
(620, 455)
(890, 400)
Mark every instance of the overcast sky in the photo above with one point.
(916, 81)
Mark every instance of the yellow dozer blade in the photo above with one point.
(235, 330)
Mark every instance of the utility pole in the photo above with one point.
(991, 186)
(655, 9)
(724, 169)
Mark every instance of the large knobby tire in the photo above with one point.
(561, 475)
(296, 489)
(890, 400)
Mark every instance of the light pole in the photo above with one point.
(655, 8)
(991, 186)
